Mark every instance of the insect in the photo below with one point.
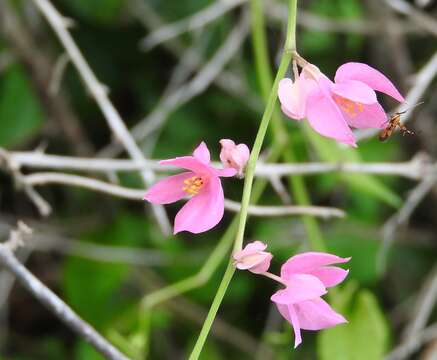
(393, 123)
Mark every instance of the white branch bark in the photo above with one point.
(52, 302)
(97, 90)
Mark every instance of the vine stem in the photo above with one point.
(289, 49)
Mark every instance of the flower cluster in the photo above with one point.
(305, 278)
(333, 107)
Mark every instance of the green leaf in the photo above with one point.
(93, 288)
(366, 335)
(102, 11)
(330, 151)
(84, 350)
(20, 113)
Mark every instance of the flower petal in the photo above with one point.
(330, 275)
(190, 163)
(249, 249)
(201, 153)
(263, 266)
(316, 314)
(288, 312)
(253, 258)
(203, 211)
(368, 75)
(168, 190)
(242, 154)
(228, 172)
(299, 288)
(356, 91)
(292, 98)
(326, 118)
(307, 262)
(367, 116)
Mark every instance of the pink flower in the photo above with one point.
(306, 277)
(332, 107)
(253, 258)
(234, 156)
(202, 182)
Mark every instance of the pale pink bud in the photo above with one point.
(253, 258)
(234, 156)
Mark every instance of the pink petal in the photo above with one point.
(203, 211)
(168, 190)
(228, 172)
(316, 314)
(330, 275)
(242, 154)
(250, 249)
(253, 258)
(299, 288)
(368, 75)
(201, 153)
(290, 96)
(356, 91)
(307, 262)
(288, 312)
(289, 114)
(371, 116)
(326, 118)
(263, 266)
(189, 163)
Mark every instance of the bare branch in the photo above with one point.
(414, 343)
(420, 18)
(7, 163)
(119, 129)
(277, 11)
(134, 194)
(425, 302)
(415, 169)
(198, 84)
(193, 22)
(402, 216)
(58, 72)
(268, 211)
(38, 64)
(51, 301)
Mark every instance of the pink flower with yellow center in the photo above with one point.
(201, 183)
(306, 277)
(333, 107)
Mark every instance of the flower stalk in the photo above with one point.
(289, 48)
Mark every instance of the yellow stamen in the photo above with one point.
(193, 185)
(352, 108)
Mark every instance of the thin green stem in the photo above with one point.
(250, 169)
(264, 75)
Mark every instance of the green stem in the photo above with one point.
(289, 48)
(264, 75)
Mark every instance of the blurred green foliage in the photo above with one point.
(21, 115)
(107, 294)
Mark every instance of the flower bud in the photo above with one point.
(234, 156)
(253, 258)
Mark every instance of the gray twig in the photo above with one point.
(57, 306)
(193, 22)
(137, 194)
(415, 169)
(404, 350)
(402, 216)
(97, 90)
